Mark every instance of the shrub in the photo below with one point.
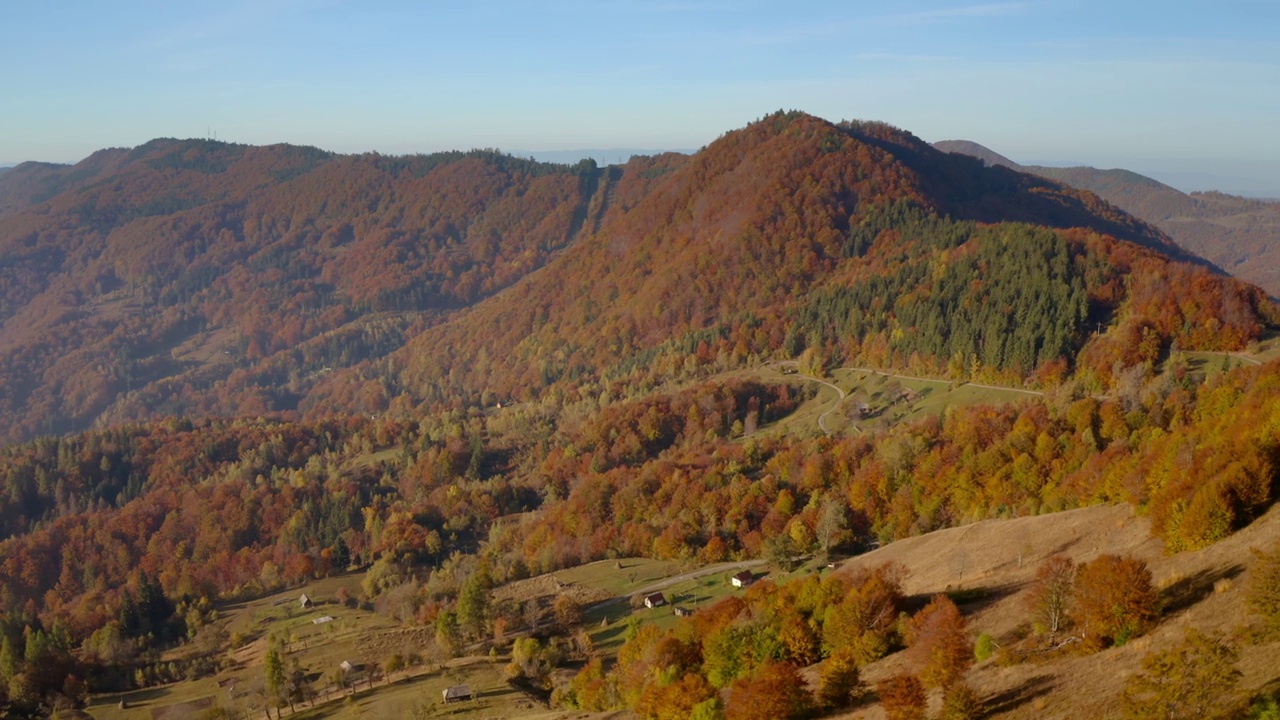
(984, 648)
(1190, 680)
(1263, 591)
(960, 703)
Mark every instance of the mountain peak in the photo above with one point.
(988, 156)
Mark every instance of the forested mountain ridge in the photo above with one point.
(203, 278)
(195, 277)
(1240, 235)
(858, 242)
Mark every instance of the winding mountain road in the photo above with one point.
(822, 419)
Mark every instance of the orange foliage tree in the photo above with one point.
(902, 697)
(939, 640)
(1114, 600)
(775, 692)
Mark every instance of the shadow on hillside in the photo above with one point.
(1192, 590)
(969, 600)
(979, 599)
(1016, 697)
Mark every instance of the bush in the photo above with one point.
(960, 703)
(1263, 591)
(984, 648)
(1191, 680)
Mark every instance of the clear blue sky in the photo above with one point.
(1168, 86)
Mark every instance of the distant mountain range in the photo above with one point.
(1240, 235)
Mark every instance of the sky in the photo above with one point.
(1185, 89)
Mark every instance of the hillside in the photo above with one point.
(1239, 235)
(447, 375)
(996, 561)
(195, 278)
(992, 563)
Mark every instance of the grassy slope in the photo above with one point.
(1000, 556)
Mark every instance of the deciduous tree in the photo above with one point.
(1194, 679)
(1049, 597)
(839, 682)
(1114, 600)
(775, 692)
(940, 642)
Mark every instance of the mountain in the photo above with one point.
(1240, 235)
(988, 156)
(858, 241)
(203, 278)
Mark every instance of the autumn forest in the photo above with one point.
(227, 371)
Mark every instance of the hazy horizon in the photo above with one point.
(1143, 84)
(1187, 181)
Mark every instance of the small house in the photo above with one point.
(742, 579)
(683, 612)
(322, 620)
(306, 603)
(457, 693)
(655, 600)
